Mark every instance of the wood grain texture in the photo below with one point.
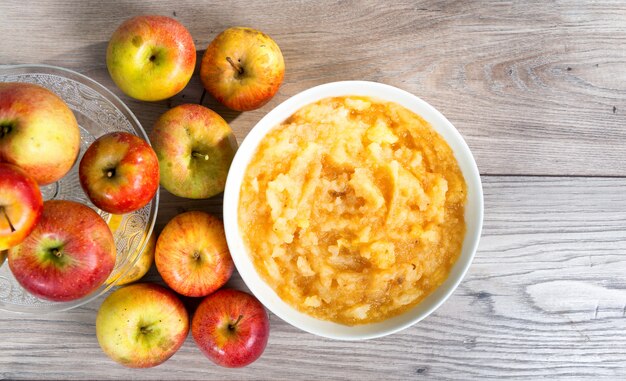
(536, 88)
(543, 298)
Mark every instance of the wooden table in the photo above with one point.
(539, 93)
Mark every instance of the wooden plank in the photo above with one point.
(536, 88)
(544, 298)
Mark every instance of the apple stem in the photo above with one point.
(232, 326)
(200, 155)
(8, 219)
(56, 253)
(6, 128)
(196, 255)
(235, 66)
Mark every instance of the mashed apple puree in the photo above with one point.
(353, 209)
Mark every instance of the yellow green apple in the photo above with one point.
(141, 267)
(242, 68)
(38, 131)
(151, 57)
(195, 147)
(141, 325)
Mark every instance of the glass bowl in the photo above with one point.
(98, 112)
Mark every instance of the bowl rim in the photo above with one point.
(108, 96)
(266, 294)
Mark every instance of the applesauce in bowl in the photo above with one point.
(351, 214)
(352, 209)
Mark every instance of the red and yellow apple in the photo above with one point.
(68, 255)
(20, 205)
(38, 132)
(192, 255)
(195, 147)
(231, 328)
(141, 267)
(141, 325)
(151, 58)
(242, 68)
(119, 172)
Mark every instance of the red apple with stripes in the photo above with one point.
(119, 172)
(192, 255)
(242, 68)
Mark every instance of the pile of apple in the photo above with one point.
(62, 250)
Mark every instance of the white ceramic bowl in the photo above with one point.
(473, 210)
